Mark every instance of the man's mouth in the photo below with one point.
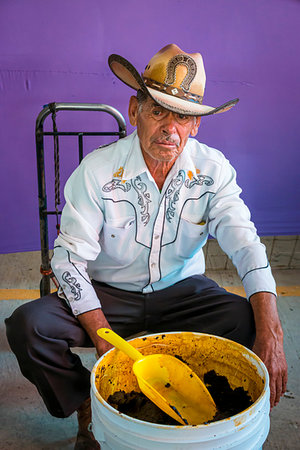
(167, 142)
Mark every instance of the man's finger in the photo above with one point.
(272, 392)
(278, 384)
(284, 382)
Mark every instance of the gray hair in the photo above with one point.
(141, 98)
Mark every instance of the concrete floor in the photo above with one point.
(25, 422)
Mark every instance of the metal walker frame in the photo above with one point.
(52, 108)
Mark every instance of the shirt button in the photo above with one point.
(76, 311)
(153, 265)
(113, 235)
(156, 236)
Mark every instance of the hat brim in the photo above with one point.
(127, 73)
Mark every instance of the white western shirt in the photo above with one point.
(118, 228)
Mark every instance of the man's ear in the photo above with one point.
(196, 125)
(133, 110)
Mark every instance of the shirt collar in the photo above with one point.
(135, 164)
(185, 162)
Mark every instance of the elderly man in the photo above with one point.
(129, 255)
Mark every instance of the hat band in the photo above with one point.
(174, 91)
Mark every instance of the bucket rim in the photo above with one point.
(235, 417)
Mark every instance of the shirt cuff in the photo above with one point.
(259, 280)
(80, 307)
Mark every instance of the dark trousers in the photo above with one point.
(42, 332)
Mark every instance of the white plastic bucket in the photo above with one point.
(246, 430)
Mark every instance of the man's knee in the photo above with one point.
(21, 326)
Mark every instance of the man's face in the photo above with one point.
(162, 133)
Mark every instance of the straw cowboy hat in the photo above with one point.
(173, 78)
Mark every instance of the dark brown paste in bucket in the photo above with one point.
(228, 401)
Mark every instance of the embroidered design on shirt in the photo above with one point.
(116, 184)
(190, 174)
(119, 172)
(172, 194)
(143, 198)
(199, 180)
(74, 285)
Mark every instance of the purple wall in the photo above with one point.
(57, 51)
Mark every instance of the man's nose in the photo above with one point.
(169, 123)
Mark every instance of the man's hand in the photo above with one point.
(268, 344)
(91, 321)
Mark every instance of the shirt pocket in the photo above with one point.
(191, 237)
(116, 239)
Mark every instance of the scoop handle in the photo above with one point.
(113, 338)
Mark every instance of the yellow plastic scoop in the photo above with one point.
(168, 382)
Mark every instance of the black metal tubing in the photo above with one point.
(42, 196)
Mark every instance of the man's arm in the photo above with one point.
(229, 222)
(78, 240)
(268, 344)
(91, 321)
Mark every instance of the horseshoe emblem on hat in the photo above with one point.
(186, 61)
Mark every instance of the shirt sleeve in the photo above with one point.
(74, 283)
(78, 241)
(230, 224)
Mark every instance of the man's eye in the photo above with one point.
(182, 116)
(156, 112)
